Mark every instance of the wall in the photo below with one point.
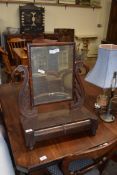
(84, 20)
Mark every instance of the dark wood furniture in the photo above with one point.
(26, 36)
(65, 34)
(28, 161)
(52, 105)
(112, 25)
(30, 37)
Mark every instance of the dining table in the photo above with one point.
(49, 152)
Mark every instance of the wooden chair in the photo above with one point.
(16, 43)
(88, 162)
(8, 69)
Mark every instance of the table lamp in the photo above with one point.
(104, 74)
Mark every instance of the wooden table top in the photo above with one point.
(56, 149)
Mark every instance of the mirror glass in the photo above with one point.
(51, 72)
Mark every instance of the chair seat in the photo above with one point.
(79, 164)
(74, 165)
(54, 170)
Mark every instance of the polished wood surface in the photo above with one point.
(55, 150)
(21, 55)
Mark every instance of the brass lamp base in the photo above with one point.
(107, 117)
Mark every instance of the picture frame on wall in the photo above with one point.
(13, 1)
(84, 2)
(46, 1)
(95, 2)
(27, 1)
(67, 1)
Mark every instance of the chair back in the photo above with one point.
(90, 160)
(16, 43)
(6, 61)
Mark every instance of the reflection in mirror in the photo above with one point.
(51, 67)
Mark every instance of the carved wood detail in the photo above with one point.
(24, 94)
